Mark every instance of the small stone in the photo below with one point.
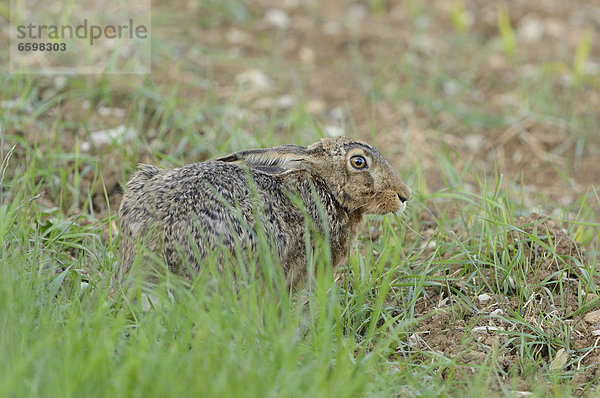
(255, 79)
(316, 106)
(428, 244)
(524, 393)
(334, 131)
(496, 61)
(106, 111)
(555, 27)
(517, 156)
(415, 341)
(307, 55)
(285, 101)
(474, 142)
(531, 29)
(336, 113)
(120, 133)
(590, 297)
(357, 13)
(278, 18)
(486, 329)
(511, 282)
(451, 88)
(484, 298)
(236, 36)
(17, 104)
(592, 317)
(60, 82)
(560, 360)
(331, 28)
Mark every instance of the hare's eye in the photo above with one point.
(358, 162)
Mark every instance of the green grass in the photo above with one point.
(349, 339)
(65, 332)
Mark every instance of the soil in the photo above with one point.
(562, 303)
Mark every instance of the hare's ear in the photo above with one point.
(276, 160)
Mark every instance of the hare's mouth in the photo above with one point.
(384, 203)
(401, 210)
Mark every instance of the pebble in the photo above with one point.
(560, 360)
(307, 55)
(590, 297)
(118, 134)
(285, 101)
(334, 131)
(592, 317)
(531, 29)
(278, 18)
(332, 28)
(316, 106)
(474, 142)
(255, 79)
(486, 329)
(236, 36)
(336, 113)
(106, 111)
(484, 298)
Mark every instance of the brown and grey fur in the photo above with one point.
(195, 209)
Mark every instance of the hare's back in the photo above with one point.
(200, 187)
(218, 203)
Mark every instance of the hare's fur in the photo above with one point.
(193, 210)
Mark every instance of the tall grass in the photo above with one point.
(67, 333)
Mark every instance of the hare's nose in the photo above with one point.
(403, 193)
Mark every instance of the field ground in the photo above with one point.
(487, 285)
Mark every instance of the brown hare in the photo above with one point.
(185, 213)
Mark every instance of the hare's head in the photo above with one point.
(359, 177)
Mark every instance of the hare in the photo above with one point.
(184, 213)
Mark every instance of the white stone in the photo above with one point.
(255, 79)
(334, 131)
(484, 298)
(486, 329)
(278, 18)
(120, 133)
(560, 360)
(105, 111)
(531, 29)
(592, 317)
(307, 55)
(316, 106)
(236, 36)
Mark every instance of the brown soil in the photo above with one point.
(559, 304)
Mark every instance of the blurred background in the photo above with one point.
(505, 88)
